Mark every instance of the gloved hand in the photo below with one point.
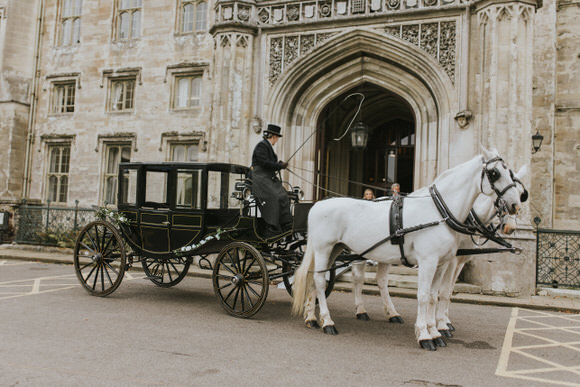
(283, 164)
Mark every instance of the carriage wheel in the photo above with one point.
(289, 279)
(99, 258)
(240, 279)
(166, 272)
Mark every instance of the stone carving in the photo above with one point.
(276, 45)
(437, 39)
(242, 41)
(411, 33)
(429, 37)
(264, 16)
(310, 11)
(243, 13)
(394, 4)
(227, 13)
(293, 12)
(225, 41)
(284, 50)
(447, 44)
(325, 9)
(290, 49)
(306, 43)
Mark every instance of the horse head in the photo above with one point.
(497, 178)
(508, 223)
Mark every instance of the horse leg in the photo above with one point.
(427, 270)
(460, 265)
(310, 310)
(320, 285)
(358, 278)
(383, 283)
(438, 280)
(445, 291)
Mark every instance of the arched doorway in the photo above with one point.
(390, 152)
(302, 98)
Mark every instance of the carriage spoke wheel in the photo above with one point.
(99, 258)
(240, 279)
(166, 272)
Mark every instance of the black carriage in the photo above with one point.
(170, 213)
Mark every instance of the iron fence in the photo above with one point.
(558, 258)
(47, 225)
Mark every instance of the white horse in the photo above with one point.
(485, 210)
(339, 223)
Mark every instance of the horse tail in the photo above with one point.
(303, 279)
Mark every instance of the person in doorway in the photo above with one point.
(369, 194)
(395, 189)
(267, 187)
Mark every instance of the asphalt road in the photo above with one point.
(52, 333)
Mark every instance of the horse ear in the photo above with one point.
(522, 172)
(488, 154)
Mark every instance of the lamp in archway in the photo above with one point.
(359, 135)
(537, 141)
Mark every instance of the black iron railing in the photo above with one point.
(50, 225)
(558, 258)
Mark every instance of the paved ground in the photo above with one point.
(551, 299)
(54, 334)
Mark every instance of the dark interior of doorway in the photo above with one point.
(390, 152)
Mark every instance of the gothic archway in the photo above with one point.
(298, 99)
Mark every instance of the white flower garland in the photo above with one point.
(202, 242)
(105, 213)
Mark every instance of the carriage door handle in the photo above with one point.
(166, 223)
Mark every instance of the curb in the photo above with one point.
(553, 301)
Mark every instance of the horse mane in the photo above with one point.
(445, 174)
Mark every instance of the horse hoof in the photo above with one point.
(451, 327)
(446, 332)
(439, 342)
(330, 330)
(363, 317)
(428, 345)
(312, 324)
(396, 319)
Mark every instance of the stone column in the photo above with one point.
(503, 95)
(233, 87)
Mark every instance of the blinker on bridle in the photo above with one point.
(493, 175)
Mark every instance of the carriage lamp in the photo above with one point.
(537, 141)
(359, 135)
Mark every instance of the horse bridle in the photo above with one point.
(493, 175)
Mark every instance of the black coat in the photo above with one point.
(273, 199)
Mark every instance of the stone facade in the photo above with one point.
(470, 73)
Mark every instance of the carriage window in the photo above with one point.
(188, 189)
(129, 187)
(234, 178)
(217, 190)
(156, 188)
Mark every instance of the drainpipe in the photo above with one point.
(33, 100)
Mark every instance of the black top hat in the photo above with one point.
(273, 129)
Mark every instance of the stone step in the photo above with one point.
(403, 281)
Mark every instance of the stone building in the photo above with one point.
(86, 84)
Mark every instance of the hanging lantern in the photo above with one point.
(359, 135)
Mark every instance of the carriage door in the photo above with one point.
(155, 214)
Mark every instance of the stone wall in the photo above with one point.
(153, 57)
(17, 42)
(566, 207)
